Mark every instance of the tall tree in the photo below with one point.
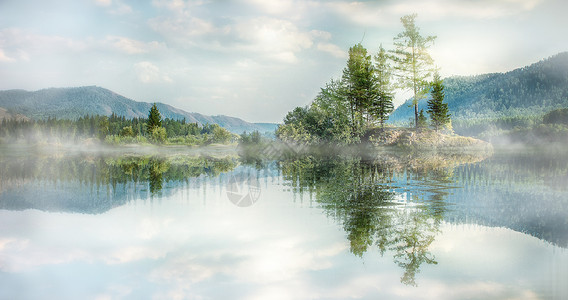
(359, 81)
(413, 63)
(382, 105)
(437, 109)
(154, 119)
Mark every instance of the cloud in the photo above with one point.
(103, 2)
(115, 7)
(149, 73)
(381, 14)
(276, 38)
(130, 46)
(4, 57)
(332, 49)
(182, 28)
(274, 6)
(22, 45)
(180, 25)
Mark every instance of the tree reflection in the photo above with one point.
(156, 168)
(97, 183)
(361, 194)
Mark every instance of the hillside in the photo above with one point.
(530, 90)
(5, 115)
(72, 103)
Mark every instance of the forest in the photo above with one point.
(114, 130)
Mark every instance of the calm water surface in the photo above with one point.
(217, 226)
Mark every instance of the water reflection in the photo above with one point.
(365, 196)
(525, 191)
(392, 204)
(96, 183)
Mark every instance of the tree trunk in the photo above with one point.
(416, 115)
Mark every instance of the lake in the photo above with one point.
(213, 224)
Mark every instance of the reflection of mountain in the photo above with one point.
(95, 184)
(526, 192)
(534, 89)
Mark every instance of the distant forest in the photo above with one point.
(112, 130)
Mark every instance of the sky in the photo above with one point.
(254, 59)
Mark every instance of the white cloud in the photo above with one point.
(22, 45)
(380, 14)
(275, 38)
(332, 49)
(4, 57)
(130, 46)
(177, 5)
(477, 9)
(103, 2)
(147, 72)
(115, 7)
(294, 10)
(274, 6)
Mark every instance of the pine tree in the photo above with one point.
(359, 80)
(412, 61)
(422, 122)
(154, 119)
(437, 109)
(382, 105)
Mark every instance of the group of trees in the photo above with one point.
(114, 129)
(363, 98)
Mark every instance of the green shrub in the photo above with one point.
(159, 135)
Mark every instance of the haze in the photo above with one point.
(253, 59)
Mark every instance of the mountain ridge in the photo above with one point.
(75, 102)
(532, 89)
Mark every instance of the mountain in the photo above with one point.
(4, 114)
(75, 102)
(533, 89)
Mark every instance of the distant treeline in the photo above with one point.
(114, 129)
(548, 127)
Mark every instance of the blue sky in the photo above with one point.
(254, 59)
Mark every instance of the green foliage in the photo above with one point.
(422, 120)
(360, 86)
(154, 119)
(344, 109)
(159, 135)
(127, 132)
(221, 135)
(114, 130)
(294, 130)
(437, 109)
(382, 105)
(413, 63)
(253, 138)
(327, 119)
